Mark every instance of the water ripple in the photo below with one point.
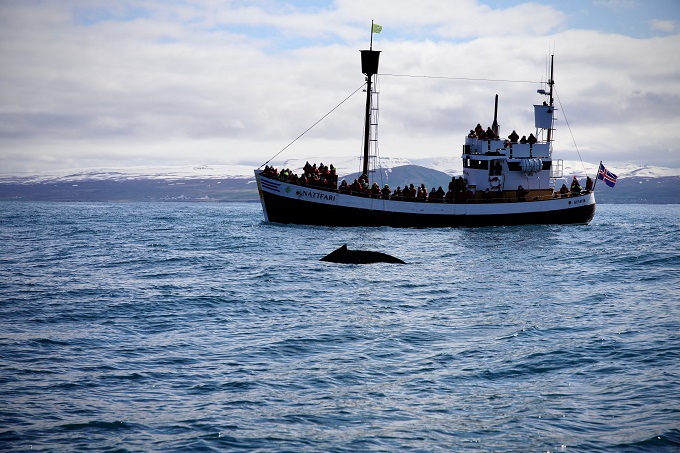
(133, 327)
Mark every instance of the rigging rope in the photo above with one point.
(402, 75)
(459, 78)
(310, 127)
(569, 127)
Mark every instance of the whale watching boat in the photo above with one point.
(504, 182)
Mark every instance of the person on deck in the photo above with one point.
(575, 186)
(385, 192)
(375, 190)
(521, 193)
(411, 192)
(564, 190)
(589, 184)
(523, 140)
(422, 193)
(513, 137)
(531, 140)
(397, 194)
(355, 187)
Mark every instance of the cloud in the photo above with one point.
(228, 82)
(667, 26)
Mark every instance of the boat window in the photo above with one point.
(476, 164)
(547, 164)
(514, 166)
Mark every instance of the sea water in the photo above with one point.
(199, 327)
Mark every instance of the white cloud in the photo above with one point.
(667, 26)
(218, 83)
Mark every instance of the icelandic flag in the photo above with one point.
(605, 175)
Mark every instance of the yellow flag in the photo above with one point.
(377, 28)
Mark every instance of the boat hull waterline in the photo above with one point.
(288, 203)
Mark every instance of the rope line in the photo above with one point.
(310, 127)
(572, 134)
(460, 78)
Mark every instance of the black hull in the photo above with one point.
(281, 209)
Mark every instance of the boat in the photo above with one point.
(504, 181)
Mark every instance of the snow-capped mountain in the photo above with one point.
(449, 165)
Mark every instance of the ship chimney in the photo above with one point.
(494, 126)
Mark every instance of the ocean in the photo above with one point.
(199, 327)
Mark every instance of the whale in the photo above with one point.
(344, 255)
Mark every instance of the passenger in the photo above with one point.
(532, 139)
(523, 140)
(363, 178)
(472, 134)
(575, 186)
(589, 184)
(355, 187)
(363, 186)
(513, 137)
(564, 190)
(479, 130)
(490, 134)
(422, 193)
(521, 193)
(449, 197)
(460, 185)
(375, 190)
(411, 192)
(386, 192)
(440, 193)
(333, 175)
(397, 194)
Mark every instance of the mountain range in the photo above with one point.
(636, 184)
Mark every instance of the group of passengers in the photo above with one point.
(326, 178)
(514, 138)
(488, 134)
(575, 188)
(458, 191)
(481, 134)
(323, 177)
(358, 187)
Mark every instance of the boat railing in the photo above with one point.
(471, 200)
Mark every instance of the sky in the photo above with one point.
(97, 83)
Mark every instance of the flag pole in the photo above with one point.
(371, 47)
(597, 176)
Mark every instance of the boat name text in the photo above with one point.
(315, 195)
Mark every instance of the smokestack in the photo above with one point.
(494, 126)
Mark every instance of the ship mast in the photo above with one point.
(369, 66)
(551, 82)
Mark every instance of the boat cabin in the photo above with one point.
(497, 168)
